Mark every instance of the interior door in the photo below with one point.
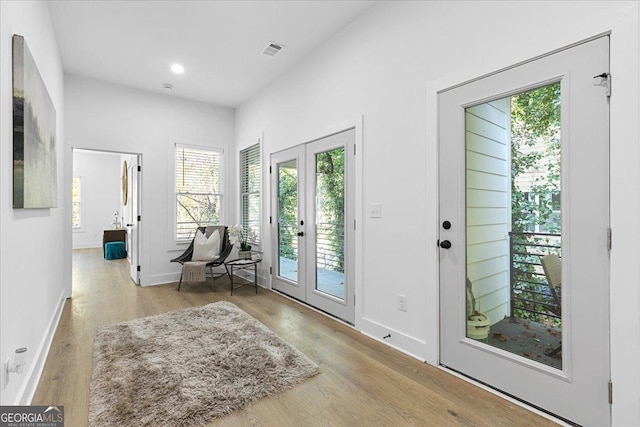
(314, 229)
(523, 174)
(133, 225)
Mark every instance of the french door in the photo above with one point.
(313, 223)
(523, 181)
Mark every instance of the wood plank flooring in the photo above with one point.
(362, 382)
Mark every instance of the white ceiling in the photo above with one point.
(219, 43)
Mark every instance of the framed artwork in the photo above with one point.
(125, 183)
(34, 134)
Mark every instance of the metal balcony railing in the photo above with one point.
(530, 292)
(329, 244)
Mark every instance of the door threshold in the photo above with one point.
(329, 315)
(506, 396)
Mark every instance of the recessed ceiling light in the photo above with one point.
(177, 68)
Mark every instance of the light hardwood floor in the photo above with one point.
(362, 382)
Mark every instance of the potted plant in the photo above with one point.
(237, 234)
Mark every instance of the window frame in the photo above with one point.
(251, 152)
(177, 242)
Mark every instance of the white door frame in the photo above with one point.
(138, 247)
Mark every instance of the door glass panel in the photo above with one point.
(329, 221)
(288, 220)
(513, 229)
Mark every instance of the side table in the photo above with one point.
(244, 264)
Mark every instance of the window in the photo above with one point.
(198, 189)
(250, 192)
(76, 197)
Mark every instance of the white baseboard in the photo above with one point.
(87, 245)
(28, 389)
(399, 341)
(161, 279)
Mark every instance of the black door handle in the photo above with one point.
(445, 244)
(301, 233)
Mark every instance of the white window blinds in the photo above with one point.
(250, 192)
(198, 189)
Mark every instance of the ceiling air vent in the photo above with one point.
(272, 49)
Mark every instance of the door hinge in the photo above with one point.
(139, 218)
(609, 238)
(610, 393)
(138, 268)
(354, 300)
(269, 169)
(270, 220)
(354, 149)
(607, 85)
(354, 224)
(139, 168)
(270, 270)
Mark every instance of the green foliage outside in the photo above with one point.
(535, 187)
(535, 159)
(330, 209)
(330, 199)
(288, 211)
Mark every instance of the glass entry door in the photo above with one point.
(524, 196)
(288, 192)
(314, 207)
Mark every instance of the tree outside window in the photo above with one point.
(198, 190)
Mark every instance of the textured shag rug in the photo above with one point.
(187, 367)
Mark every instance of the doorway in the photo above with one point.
(106, 202)
(524, 220)
(313, 211)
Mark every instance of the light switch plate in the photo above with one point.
(375, 210)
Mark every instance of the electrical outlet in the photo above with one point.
(402, 302)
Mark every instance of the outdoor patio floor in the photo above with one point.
(527, 338)
(329, 281)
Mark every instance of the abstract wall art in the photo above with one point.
(34, 134)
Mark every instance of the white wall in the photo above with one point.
(388, 66)
(100, 175)
(110, 117)
(34, 279)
